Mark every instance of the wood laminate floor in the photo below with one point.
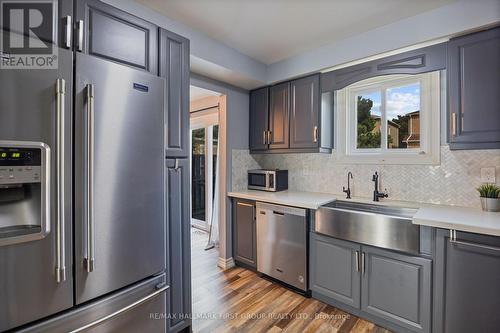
(238, 300)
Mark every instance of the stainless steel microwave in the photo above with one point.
(271, 180)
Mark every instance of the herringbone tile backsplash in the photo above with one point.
(453, 182)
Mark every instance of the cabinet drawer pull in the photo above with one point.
(454, 124)
(480, 246)
(244, 204)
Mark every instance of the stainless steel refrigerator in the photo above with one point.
(82, 198)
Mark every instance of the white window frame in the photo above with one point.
(346, 124)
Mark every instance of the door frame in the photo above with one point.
(207, 107)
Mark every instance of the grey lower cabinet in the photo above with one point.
(174, 67)
(467, 283)
(473, 84)
(389, 288)
(334, 269)
(244, 233)
(397, 288)
(179, 245)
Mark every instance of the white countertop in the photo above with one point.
(309, 200)
(439, 216)
(459, 218)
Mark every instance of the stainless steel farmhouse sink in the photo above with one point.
(381, 226)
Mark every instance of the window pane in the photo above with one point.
(198, 174)
(403, 116)
(368, 120)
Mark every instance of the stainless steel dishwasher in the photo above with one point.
(282, 243)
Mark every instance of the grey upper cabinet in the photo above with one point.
(304, 112)
(179, 244)
(426, 59)
(174, 67)
(467, 283)
(473, 86)
(279, 116)
(291, 117)
(259, 119)
(397, 288)
(244, 232)
(107, 32)
(334, 269)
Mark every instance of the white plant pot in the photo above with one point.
(490, 204)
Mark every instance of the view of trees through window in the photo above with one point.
(401, 109)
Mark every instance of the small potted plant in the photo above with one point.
(490, 200)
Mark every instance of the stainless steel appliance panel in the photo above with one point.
(386, 227)
(271, 180)
(119, 176)
(29, 111)
(282, 243)
(138, 308)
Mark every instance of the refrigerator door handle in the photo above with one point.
(122, 310)
(60, 148)
(88, 261)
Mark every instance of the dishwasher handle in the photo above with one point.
(280, 210)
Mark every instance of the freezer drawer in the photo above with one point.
(282, 243)
(140, 308)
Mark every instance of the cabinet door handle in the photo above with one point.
(68, 26)
(60, 147)
(264, 134)
(315, 134)
(80, 36)
(454, 124)
(269, 133)
(363, 263)
(357, 261)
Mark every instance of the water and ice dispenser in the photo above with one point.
(24, 191)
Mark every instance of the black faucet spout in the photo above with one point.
(376, 194)
(348, 190)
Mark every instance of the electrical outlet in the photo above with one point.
(488, 175)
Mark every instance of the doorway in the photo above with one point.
(204, 135)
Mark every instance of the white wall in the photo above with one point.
(214, 59)
(208, 56)
(449, 20)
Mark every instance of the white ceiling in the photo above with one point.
(273, 30)
(197, 93)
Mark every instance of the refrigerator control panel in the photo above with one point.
(20, 165)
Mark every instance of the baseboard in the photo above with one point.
(225, 263)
